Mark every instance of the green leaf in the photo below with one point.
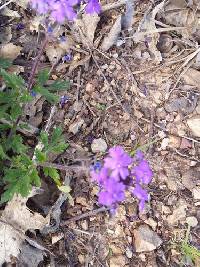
(35, 179)
(2, 153)
(17, 144)
(60, 147)
(53, 173)
(12, 80)
(59, 86)
(44, 138)
(44, 92)
(15, 112)
(43, 76)
(40, 156)
(56, 134)
(5, 63)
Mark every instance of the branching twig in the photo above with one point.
(85, 215)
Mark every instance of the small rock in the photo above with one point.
(98, 145)
(81, 258)
(117, 261)
(192, 221)
(196, 193)
(151, 223)
(179, 214)
(194, 125)
(146, 239)
(190, 178)
(129, 253)
(75, 127)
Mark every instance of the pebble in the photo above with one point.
(99, 145)
(117, 261)
(75, 127)
(146, 239)
(192, 221)
(129, 253)
(179, 214)
(194, 125)
(196, 193)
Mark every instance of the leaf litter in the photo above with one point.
(142, 75)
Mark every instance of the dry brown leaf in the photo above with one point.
(192, 77)
(5, 35)
(112, 36)
(16, 219)
(55, 51)
(22, 3)
(148, 25)
(10, 51)
(86, 28)
(10, 13)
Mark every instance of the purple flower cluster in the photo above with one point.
(60, 10)
(120, 173)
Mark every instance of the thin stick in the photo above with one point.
(7, 3)
(84, 215)
(62, 167)
(113, 5)
(35, 65)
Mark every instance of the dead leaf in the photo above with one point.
(112, 36)
(22, 3)
(30, 256)
(5, 35)
(86, 27)
(127, 18)
(10, 51)
(16, 219)
(192, 77)
(55, 51)
(10, 13)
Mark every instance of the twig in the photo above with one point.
(7, 3)
(62, 167)
(35, 65)
(113, 5)
(84, 215)
(159, 30)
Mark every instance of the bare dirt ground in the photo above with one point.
(142, 91)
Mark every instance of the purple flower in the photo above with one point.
(142, 172)
(93, 6)
(118, 161)
(63, 100)
(100, 176)
(60, 10)
(141, 195)
(113, 193)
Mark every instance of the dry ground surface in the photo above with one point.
(139, 87)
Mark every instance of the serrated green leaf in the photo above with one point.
(56, 134)
(17, 144)
(40, 156)
(53, 173)
(59, 86)
(5, 63)
(44, 138)
(43, 76)
(2, 153)
(12, 80)
(35, 179)
(44, 92)
(15, 112)
(60, 147)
